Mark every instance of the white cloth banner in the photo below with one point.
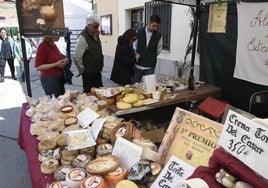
(252, 43)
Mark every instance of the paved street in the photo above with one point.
(14, 166)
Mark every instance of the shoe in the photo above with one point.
(14, 77)
(2, 80)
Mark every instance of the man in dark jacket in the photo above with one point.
(148, 47)
(88, 56)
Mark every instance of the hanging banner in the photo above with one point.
(40, 18)
(252, 43)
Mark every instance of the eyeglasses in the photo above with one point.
(95, 27)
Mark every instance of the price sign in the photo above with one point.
(246, 140)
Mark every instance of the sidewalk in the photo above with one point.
(14, 165)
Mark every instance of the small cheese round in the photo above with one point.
(75, 176)
(62, 171)
(93, 181)
(116, 176)
(130, 98)
(123, 105)
(47, 145)
(50, 166)
(126, 183)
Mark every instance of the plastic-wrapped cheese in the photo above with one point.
(81, 160)
(75, 176)
(60, 173)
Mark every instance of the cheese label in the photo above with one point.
(93, 181)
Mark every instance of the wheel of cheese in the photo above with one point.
(116, 176)
(58, 184)
(123, 129)
(93, 181)
(62, 141)
(47, 145)
(81, 160)
(123, 105)
(75, 176)
(130, 98)
(69, 155)
(70, 120)
(126, 184)
(66, 109)
(103, 165)
(50, 166)
(139, 103)
(62, 171)
(104, 149)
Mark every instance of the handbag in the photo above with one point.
(67, 75)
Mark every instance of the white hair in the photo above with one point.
(91, 18)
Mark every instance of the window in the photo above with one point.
(163, 10)
(137, 19)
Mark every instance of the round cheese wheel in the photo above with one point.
(116, 176)
(45, 155)
(123, 105)
(139, 103)
(49, 166)
(93, 181)
(104, 149)
(58, 184)
(47, 145)
(69, 155)
(81, 160)
(75, 176)
(130, 98)
(126, 183)
(103, 165)
(62, 171)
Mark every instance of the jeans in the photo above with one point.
(139, 73)
(52, 85)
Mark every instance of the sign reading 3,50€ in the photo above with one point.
(247, 140)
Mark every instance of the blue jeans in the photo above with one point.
(139, 73)
(52, 85)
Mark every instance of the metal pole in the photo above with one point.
(26, 66)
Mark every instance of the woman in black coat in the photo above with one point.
(124, 59)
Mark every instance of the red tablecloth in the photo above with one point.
(29, 143)
(222, 159)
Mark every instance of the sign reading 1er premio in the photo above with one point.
(247, 140)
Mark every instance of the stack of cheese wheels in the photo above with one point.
(103, 165)
(116, 176)
(68, 156)
(93, 181)
(75, 176)
(123, 129)
(62, 171)
(49, 166)
(126, 184)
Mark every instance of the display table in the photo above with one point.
(185, 95)
(29, 143)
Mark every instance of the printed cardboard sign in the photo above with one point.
(247, 141)
(191, 138)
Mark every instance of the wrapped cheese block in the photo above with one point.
(75, 176)
(93, 181)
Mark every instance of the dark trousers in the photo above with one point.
(10, 62)
(52, 85)
(91, 80)
(139, 73)
(2, 67)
